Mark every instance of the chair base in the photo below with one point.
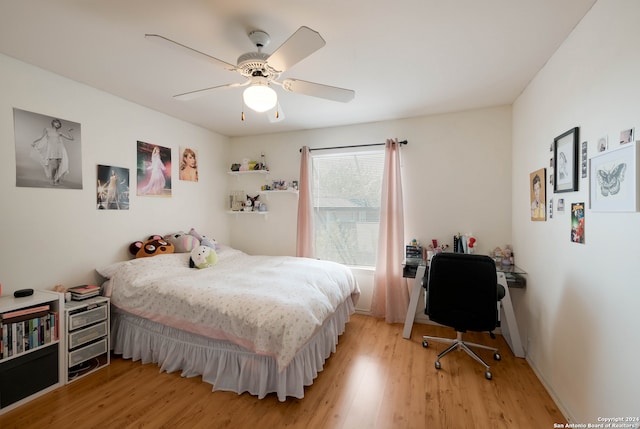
(460, 344)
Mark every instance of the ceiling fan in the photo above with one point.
(262, 70)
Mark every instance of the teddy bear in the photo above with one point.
(203, 257)
(154, 245)
(182, 242)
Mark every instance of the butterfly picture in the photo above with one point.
(611, 179)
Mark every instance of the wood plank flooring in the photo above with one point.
(376, 379)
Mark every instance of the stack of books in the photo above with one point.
(25, 329)
(79, 293)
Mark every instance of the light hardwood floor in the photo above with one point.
(376, 379)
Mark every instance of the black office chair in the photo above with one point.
(463, 293)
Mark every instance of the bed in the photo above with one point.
(256, 324)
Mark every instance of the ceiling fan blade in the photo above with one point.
(185, 96)
(318, 90)
(175, 45)
(299, 46)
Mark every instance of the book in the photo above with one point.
(84, 289)
(24, 311)
(80, 297)
(24, 317)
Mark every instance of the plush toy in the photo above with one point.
(204, 240)
(155, 245)
(244, 166)
(203, 257)
(251, 203)
(182, 242)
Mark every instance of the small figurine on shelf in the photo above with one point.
(471, 243)
(435, 248)
(497, 255)
(250, 203)
(263, 162)
(244, 166)
(507, 256)
(280, 185)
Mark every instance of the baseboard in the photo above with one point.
(564, 410)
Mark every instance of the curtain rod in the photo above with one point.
(356, 145)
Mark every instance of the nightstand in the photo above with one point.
(86, 337)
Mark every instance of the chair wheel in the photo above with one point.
(496, 356)
(425, 343)
(488, 375)
(438, 366)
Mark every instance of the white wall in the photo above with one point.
(582, 301)
(456, 178)
(57, 236)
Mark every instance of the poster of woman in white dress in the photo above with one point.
(154, 170)
(48, 151)
(112, 188)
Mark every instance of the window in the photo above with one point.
(346, 192)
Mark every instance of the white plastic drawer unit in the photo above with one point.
(82, 336)
(84, 353)
(78, 320)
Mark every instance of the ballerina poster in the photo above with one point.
(154, 170)
(48, 151)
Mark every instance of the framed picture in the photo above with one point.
(583, 160)
(537, 185)
(614, 180)
(603, 143)
(565, 156)
(626, 136)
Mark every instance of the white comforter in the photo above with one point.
(268, 304)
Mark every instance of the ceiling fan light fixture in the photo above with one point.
(260, 96)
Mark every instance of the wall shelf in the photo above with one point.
(275, 191)
(243, 213)
(241, 173)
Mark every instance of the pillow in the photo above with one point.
(155, 245)
(109, 271)
(182, 242)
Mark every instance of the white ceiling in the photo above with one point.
(403, 59)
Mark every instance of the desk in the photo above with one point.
(508, 276)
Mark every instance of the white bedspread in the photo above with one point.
(270, 305)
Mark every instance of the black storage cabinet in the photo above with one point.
(28, 374)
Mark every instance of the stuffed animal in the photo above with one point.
(203, 257)
(204, 240)
(182, 242)
(250, 205)
(155, 245)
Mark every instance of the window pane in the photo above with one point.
(346, 194)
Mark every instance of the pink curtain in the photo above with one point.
(390, 295)
(304, 240)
